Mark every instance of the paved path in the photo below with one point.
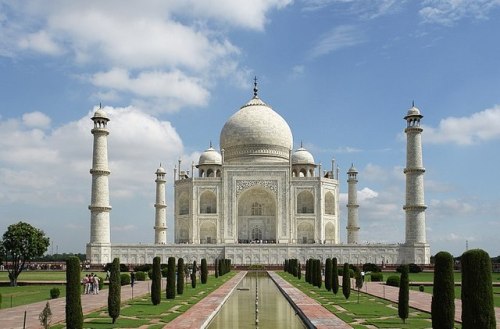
(319, 316)
(419, 300)
(13, 318)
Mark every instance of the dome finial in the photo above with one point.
(255, 89)
(210, 143)
(301, 144)
(413, 103)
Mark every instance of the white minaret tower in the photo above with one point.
(415, 240)
(352, 206)
(160, 208)
(99, 247)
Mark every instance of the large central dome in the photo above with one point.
(256, 133)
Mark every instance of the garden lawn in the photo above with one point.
(22, 295)
(44, 275)
(458, 291)
(140, 312)
(371, 311)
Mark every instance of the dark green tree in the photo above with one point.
(404, 294)
(171, 278)
(307, 277)
(477, 291)
(299, 271)
(328, 274)
(156, 282)
(313, 275)
(319, 277)
(20, 244)
(443, 292)
(180, 276)
(335, 276)
(193, 275)
(346, 281)
(204, 271)
(114, 293)
(286, 266)
(216, 270)
(74, 314)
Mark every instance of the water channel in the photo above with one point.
(256, 303)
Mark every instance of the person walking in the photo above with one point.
(96, 284)
(132, 278)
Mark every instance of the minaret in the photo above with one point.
(99, 247)
(352, 206)
(415, 205)
(160, 208)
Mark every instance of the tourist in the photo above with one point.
(132, 278)
(96, 284)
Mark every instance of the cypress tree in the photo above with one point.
(180, 276)
(346, 281)
(319, 277)
(404, 294)
(220, 267)
(328, 274)
(193, 275)
(286, 268)
(171, 278)
(74, 314)
(306, 277)
(114, 290)
(156, 282)
(443, 292)
(216, 270)
(204, 271)
(477, 291)
(313, 272)
(299, 271)
(335, 276)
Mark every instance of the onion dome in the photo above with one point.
(302, 156)
(352, 170)
(256, 132)
(160, 170)
(413, 112)
(210, 156)
(100, 114)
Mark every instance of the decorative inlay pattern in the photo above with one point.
(242, 185)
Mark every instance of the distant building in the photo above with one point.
(258, 201)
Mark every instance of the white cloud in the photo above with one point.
(174, 88)
(367, 9)
(38, 167)
(447, 12)
(40, 42)
(36, 120)
(338, 38)
(366, 194)
(477, 128)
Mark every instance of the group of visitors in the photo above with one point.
(90, 284)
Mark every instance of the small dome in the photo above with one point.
(160, 170)
(302, 156)
(210, 156)
(257, 132)
(100, 114)
(413, 111)
(352, 169)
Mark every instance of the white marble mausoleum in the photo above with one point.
(258, 201)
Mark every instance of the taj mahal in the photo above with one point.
(258, 201)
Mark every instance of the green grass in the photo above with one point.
(458, 291)
(22, 295)
(44, 275)
(371, 311)
(139, 312)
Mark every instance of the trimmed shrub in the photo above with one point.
(370, 267)
(216, 270)
(421, 288)
(74, 314)
(171, 278)
(393, 281)
(412, 268)
(328, 274)
(299, 271)
(477, 291)
(180, 276)
(124, 279)
(140, 276)
(54, 293)
(204, 271)
(335, 276)
(164, 272)
(156, 282)
(114, 291)
(377, 276)
(404, 295)
(346, 282)
(319, 277)
(443, 292)
(359, 282)
(143, 268)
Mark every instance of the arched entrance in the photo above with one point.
(257, 216)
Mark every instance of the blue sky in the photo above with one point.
(170, 73)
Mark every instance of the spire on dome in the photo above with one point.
(210, 144)
(255, 89)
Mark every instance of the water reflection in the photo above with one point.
(274, 310)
